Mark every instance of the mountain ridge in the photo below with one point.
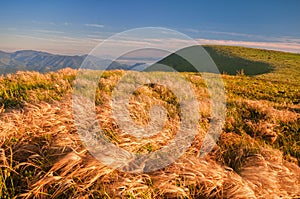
(230, 60)
(31, 60)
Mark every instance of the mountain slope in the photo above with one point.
(41, 154)
(36, 61)
(29, 60)
(230, 60)
(256, 156)
(236, 60)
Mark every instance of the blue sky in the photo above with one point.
(76, 27)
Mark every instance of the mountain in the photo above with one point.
(37, 61)
(257, 154)
(225, 59)
(43, 62)
(230, 60)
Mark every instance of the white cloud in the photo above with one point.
(48, 31)
(57, 42)
(230, 33)
(94, 25)
(247, 36)
(56, 45)
(191, 30)
(281, 46)
(219, 32)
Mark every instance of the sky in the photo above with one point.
(76, 27)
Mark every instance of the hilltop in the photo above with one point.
(257, 155)
(229, 60)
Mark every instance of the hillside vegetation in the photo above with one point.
(257, 155)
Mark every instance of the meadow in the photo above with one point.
(257, 154)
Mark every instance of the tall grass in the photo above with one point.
(41, 155)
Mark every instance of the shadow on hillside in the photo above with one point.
(227, 64)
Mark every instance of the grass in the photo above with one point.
(34, 87)
(231, 63)
(257, 155)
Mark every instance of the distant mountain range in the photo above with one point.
(30, 60)
(226, 61)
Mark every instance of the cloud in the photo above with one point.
(56, 45)
(289, 39)
(244, 36)
(61, 43)
(44, 22)
(219, 32)
(191, 30)
(230, 33)
(48, 31)
(94, 25)
(281, 46)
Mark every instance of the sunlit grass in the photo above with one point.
(257, 155)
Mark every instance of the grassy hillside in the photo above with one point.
(233, 60)
(257, 155)
(227, 62)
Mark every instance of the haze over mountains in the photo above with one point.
(37, 61)
(44, 62)
(227, 62)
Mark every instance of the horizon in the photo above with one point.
(132, 58)
(149, 99)
(76, 27)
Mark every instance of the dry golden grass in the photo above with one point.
(41, 155)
